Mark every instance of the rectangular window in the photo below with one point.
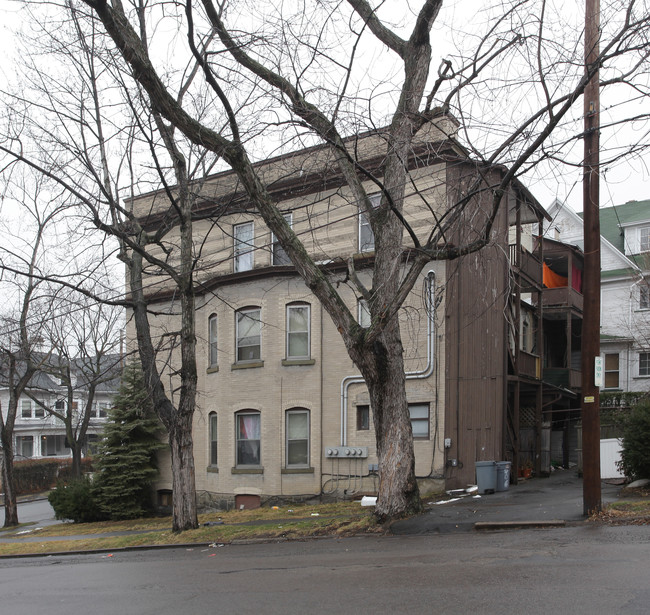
(363, 418)
(244, 246)
(644, 364)
(298, 332)
(213, 439)
(248, 439)
(644, 295)
(279, 255)
(419, 414)
(39, 411)
(25, 446)
(644, 239)
(26, 408)
(297, 438)
(363, 310)
(366, 236)
(102, 409)
(59, 405)
(249, 336)
(212, 341)
(611, 371)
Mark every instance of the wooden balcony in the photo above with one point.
(563, 296)
(529, 365)
(563, 377)
(526, 264)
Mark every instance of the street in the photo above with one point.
(583, 569)
(39, 512)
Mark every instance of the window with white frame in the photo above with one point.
(279, 255)
(612, 370)
(212, 341)
(248, 438)
(26, 408)
(644, 239)
(298, 330)
(39, 411)
(102, 409)
(644, 364)
(25, 446)
(212, 418)
(297, 446)
(419, 415)
(644, 295)
(366, 236)
(249, 335)
(244, 246)
(363, 313)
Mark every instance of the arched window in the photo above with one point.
(248, 434)
(212, 341)
(298, 331)
(212, 419)
(297, 438)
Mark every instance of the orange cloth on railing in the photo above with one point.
(552, 279)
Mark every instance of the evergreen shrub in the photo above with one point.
(76, 500)
(635, 455)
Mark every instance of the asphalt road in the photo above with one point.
(582, 569)
(32, 512)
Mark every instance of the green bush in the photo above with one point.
(76, 500)
(635, 456)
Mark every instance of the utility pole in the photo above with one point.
(591, 278)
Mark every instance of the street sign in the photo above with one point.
(598, 372)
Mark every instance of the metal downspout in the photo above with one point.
(425, 373)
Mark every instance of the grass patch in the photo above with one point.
(625, 512)
(299, 521)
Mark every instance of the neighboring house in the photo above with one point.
(281, 409)
(37, 433)
(625, 288)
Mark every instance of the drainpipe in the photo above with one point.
(425, 373)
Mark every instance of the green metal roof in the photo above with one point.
(612, 218)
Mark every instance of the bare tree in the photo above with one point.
(26, 305)
(83, 340)
(103, 148)
(304, 73)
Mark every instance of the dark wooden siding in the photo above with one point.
(476, 342)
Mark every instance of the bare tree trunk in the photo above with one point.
(382, 366)
(11, 506)
(76, 459)
(183, 484)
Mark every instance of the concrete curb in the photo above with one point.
(516, 525)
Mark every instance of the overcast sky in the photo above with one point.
(627, 180)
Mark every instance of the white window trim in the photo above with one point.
(247, 311)
(243, 250)
(238, 415)
(301, 306)
(644, 230)
(363, 313)
(288, 413)
(648, 362)
(289, 220)
(364, 222)
(213, 347)
(427, 419)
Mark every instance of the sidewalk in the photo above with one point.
(535, 502)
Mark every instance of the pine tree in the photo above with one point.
(126, 461)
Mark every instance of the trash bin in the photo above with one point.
(486, 476)
(503, 475)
